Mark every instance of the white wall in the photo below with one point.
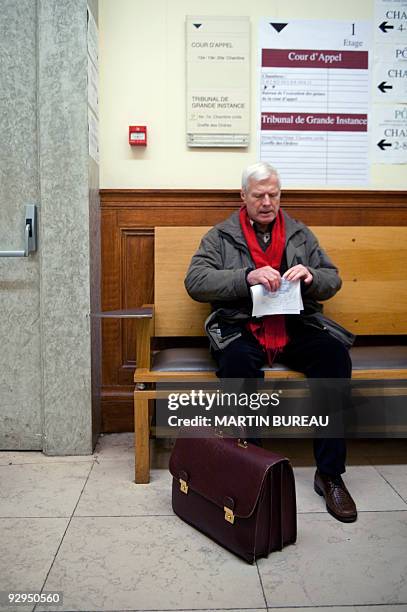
(142, 82)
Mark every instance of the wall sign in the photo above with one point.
(389, 140)
(314, 100)
(218, 81)
(389, 118)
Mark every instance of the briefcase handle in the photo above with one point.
(241, 442)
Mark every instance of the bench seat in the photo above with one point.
(200, 360)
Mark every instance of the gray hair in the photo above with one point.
(259, 172)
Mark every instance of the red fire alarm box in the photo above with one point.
(138, 135)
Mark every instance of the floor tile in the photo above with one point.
(218, 610)
(37, 490)
(22, 457)
(369, 490)
(235, 610)
(318, 609)
(385, 608)
(111, 491)
(389, 608)
(337, 564)
(396, 476)
(28, 547)
(115, 446)
(121, 446)
(149, 563)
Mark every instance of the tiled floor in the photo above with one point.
(80, 525)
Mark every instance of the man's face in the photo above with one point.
(262, 199)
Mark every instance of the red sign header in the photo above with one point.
(314, 122)
(310, 58)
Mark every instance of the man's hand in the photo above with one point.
(266, 276)
(299, 272)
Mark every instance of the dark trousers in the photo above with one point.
(311, 351)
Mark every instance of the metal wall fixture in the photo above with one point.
(30, 234)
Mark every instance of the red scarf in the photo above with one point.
(270, 330)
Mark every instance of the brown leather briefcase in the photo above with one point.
(238, 494)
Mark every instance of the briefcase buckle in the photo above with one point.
(242, 443)
(183, 486)
(229, 516)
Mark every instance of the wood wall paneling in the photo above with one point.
(127, 225)
(136, 290)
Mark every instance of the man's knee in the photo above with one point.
(239, 360)
(333, 360)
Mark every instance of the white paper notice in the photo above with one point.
(93, 136)
(390, 134)
(390, 73)
(314, 100)
(286, 300)
(390, 21)
(389, 119)
(93, 87)
(93, 38)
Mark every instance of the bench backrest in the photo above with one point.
(372, 262)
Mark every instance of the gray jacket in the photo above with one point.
(218, 270)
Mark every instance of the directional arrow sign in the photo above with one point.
(383, 87)
(278, 26)
(383, 144)
(389, 134)
(384, 26)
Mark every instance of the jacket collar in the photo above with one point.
(231, 227)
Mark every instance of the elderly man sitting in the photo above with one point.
(261, 244)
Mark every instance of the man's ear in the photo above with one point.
(243, 196)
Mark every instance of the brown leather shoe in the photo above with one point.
(339, 502)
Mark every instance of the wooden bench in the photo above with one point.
(372, 303)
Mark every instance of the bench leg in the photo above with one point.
(141, 440)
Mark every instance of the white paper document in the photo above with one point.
(286, 300)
